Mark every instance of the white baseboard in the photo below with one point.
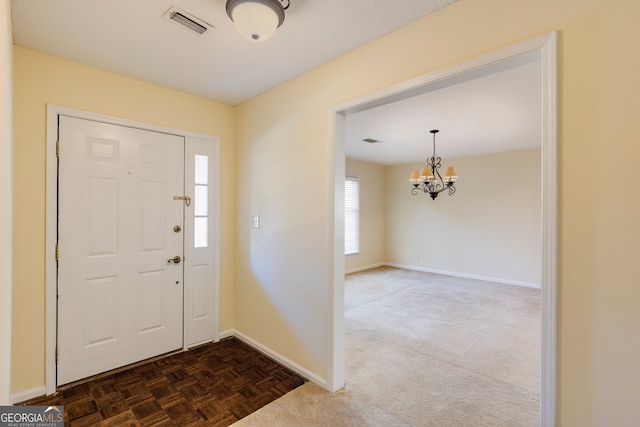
(303, 372)
(28, 394)
(366, 267)
(226, 334)
(467, 276)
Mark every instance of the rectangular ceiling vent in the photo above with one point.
(187, 20)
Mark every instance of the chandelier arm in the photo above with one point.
(434, 162)
(440, 180)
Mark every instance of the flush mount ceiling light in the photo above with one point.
(429, 180)
(257, 20)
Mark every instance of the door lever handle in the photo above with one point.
(176, 260)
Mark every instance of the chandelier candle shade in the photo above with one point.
(257, 20)
(429, 180)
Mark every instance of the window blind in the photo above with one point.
(351, 215)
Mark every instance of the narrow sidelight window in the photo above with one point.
(201, 202)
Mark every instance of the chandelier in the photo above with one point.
(257, 20)
(429, 180)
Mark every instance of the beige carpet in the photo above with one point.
(426, 350)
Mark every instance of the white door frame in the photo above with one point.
(53, 111)
(6, 195)
(546, 47)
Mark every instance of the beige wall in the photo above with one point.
(372, 214)
(281, 294)
(283, 151)
(490, 228)
(40, 79)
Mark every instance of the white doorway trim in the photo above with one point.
(6, 195)
(53, 111)
(546, 47)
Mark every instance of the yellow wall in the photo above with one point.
(283, 137)
(40, 79)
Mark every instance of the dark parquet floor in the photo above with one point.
(214, 384)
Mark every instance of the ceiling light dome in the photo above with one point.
(257, 20)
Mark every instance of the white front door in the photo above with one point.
(120, 299)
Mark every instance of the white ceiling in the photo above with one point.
(130, 37)
(497, 110)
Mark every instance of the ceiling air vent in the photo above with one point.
(186, 20)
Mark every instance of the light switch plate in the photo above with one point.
(255, 221)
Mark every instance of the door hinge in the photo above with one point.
(57, 148)
(57, 354)
(57, 253)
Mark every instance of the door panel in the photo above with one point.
(119, 299)
(201, 241)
